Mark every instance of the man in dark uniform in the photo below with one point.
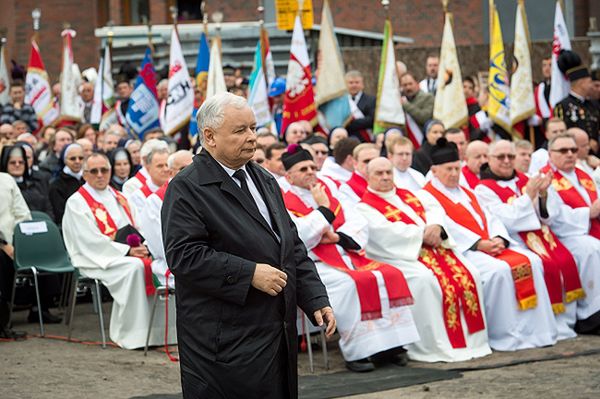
(240, 266)
(576, 110)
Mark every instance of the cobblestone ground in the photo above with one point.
(52, 368)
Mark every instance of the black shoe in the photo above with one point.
(360, 366)
(400, 359)
(47, 317)
(7, 333)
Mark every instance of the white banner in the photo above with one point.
(559, 85)
(180, 101)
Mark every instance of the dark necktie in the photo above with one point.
(240, 174)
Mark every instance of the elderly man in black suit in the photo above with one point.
(240, 267)
(364, 110)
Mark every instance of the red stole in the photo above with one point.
(146, 190)
(358, 184)
(140, 177)
(162, 191)
(519, 263)
(456, 282)
(366, 282)
(471, 178)
(572, 197)
(107, 226)
(560, 269)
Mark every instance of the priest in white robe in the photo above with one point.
(150, 223)
(448, 309)
(400, 153)
(356, 186)
(341, 165)
(576, 211)
(522, 205)
(539, 158)
(518, 310)
(89, 239)
(142, 176)
(155, 163)
(372, 317)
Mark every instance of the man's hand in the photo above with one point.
(489, 247)
(329, 237)
(325, 315)
(593, 161)
(432, 235)
(595, 209)
(320, 195)
(139, 252)
(268, 279)
(499, 242)
(9, 250)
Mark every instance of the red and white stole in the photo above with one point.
(560, 269)
(358, 184)
(108, 227)
(471, 178)
(456, 282)
(570, 196)
(519, 263)
(366, 282)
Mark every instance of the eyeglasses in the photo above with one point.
(563, 151)
(305, 169)
(75, 158)
(16, 162)
(502, 157)
(98, 171)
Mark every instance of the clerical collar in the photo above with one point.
(383, 194)
(486, 173)
(577, 96)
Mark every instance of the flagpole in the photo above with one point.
(261, 22)
(204, 18)
(36, 15)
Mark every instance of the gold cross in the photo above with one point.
(392, 213)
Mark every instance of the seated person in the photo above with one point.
(448, 308)
(68, 181)
(95, 216)
(155, 162)
(400, 152)
(372, 318)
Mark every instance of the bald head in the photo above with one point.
(582, 139)
(476, 155)
(178, 160)
(380, 175)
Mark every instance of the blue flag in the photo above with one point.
(202, 62)
(143, 111)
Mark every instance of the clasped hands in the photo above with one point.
(494, 246)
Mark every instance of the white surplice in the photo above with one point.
(509, 328)
(399, 244)
(571, 225)
(133, 184)
(150, 225)
(410, 179)
(359, 339)
(97, 256)
(137, 199)
(539, 159)
(522, 214)
(331, 169)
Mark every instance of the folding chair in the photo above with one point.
(39, 249)
(39, 215)
(309, 346)
(160, 292)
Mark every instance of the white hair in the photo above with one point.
(173, 157)
(151, 147)
(212, 113)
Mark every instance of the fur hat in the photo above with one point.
(570, 64)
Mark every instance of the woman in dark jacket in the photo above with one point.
(68, 181)
(34, 187)
(121, 167)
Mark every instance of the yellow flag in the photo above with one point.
(450, 105)
(522, 102)
(498, 101)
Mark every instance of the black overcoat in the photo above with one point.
(234, 340)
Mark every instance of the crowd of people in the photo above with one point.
(442, 250)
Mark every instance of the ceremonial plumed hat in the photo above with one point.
(570, 64)
(293, 155)
(444, 151)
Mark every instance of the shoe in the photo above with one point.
(400, 359)
(360, 366)
(7, 333)
(47, 317)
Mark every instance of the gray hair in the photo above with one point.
(524, 144)
(353, 74)
(151, 147)
(561, 136)
(96, 155)
(212, 112)
(492, 146)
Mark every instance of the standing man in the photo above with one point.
(417, 103)
(362, 106)
(543, 109)
(240, 266)
(429, 84)
(86, 92)
(17, 109)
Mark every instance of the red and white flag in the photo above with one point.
(559, 84)
(38, 92)
(299, 101)
(70, 78)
